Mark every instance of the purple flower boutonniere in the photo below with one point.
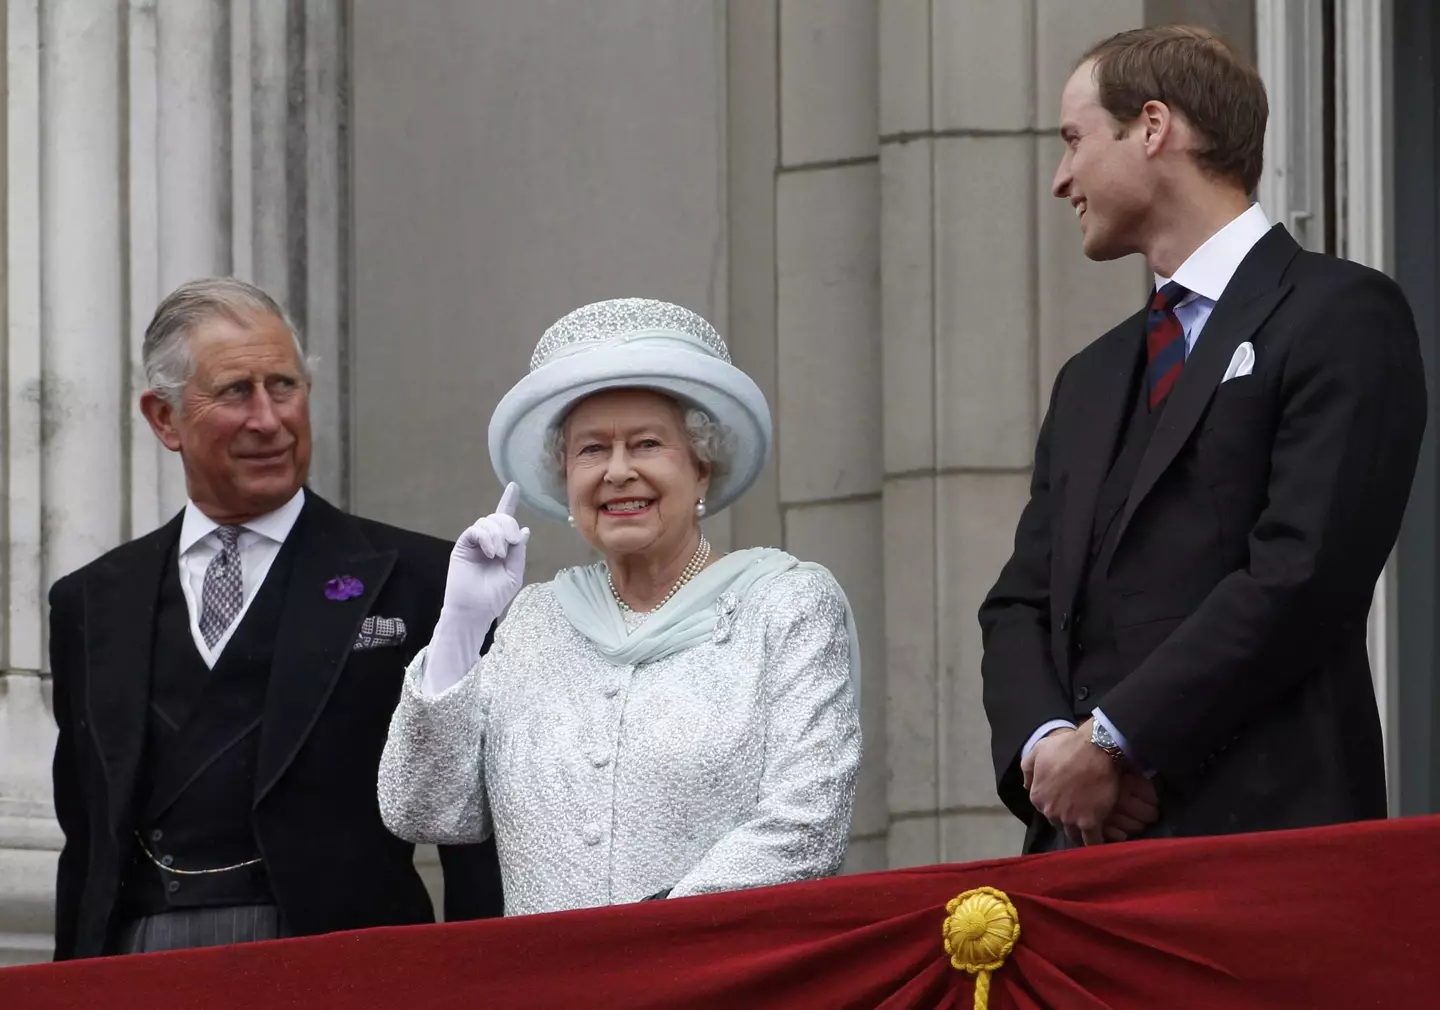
(343, 587)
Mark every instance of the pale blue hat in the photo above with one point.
(627, 343)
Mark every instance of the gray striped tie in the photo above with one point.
(224, 587)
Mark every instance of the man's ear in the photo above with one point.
(161, 415)
(1159, 124)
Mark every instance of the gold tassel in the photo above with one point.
(981, 929)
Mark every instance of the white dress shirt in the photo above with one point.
(1205, 274)
(259, 542)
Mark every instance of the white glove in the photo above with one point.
(487, 569)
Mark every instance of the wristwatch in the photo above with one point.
(1105, 740)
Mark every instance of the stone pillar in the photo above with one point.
(985, 293)
(65, 481)
(114, 196)
(828, 339)
(778, 211)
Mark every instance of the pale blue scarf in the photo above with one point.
(688, 618)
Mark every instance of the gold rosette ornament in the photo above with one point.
(980, 931)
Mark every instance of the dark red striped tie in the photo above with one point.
(1164, 343)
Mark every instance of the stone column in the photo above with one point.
(828, 340)
(985, 293)
(65, 480)
(113, 196)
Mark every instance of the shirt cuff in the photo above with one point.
(1119, 738)
(1041, 733)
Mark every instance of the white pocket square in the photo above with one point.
(380, 632)
(1242, 363)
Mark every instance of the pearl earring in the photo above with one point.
(700, 509)
(571, 520)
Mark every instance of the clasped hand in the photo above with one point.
(1082, 791)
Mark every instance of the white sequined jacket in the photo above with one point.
(727, 765)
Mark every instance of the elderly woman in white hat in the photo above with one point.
(667, 722)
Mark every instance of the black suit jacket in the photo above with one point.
(331, 863)
(1239, 583)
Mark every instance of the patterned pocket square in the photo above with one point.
(380, 633)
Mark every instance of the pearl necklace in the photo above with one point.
(697, 563)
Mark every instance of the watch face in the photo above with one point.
(1101, 737)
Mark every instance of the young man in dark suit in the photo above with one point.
(1178, 643)
(224, 685)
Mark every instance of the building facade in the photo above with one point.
(856, 192)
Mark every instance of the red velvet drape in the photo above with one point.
(1336, 917)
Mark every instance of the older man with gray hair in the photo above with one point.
(223, 685)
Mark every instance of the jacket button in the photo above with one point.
(611, 690)
(167, 860)
(156, 835)
(599, 760)
(173, 886)
(592, 834)
(1082, 692)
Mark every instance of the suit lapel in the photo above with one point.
(120, 600)
(316, 632)
(1107, 392)
(1251, 296)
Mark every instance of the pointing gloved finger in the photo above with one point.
(509, 499)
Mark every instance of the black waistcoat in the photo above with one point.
(1099, 665)
(196, 786)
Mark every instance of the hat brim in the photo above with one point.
(542, 398)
